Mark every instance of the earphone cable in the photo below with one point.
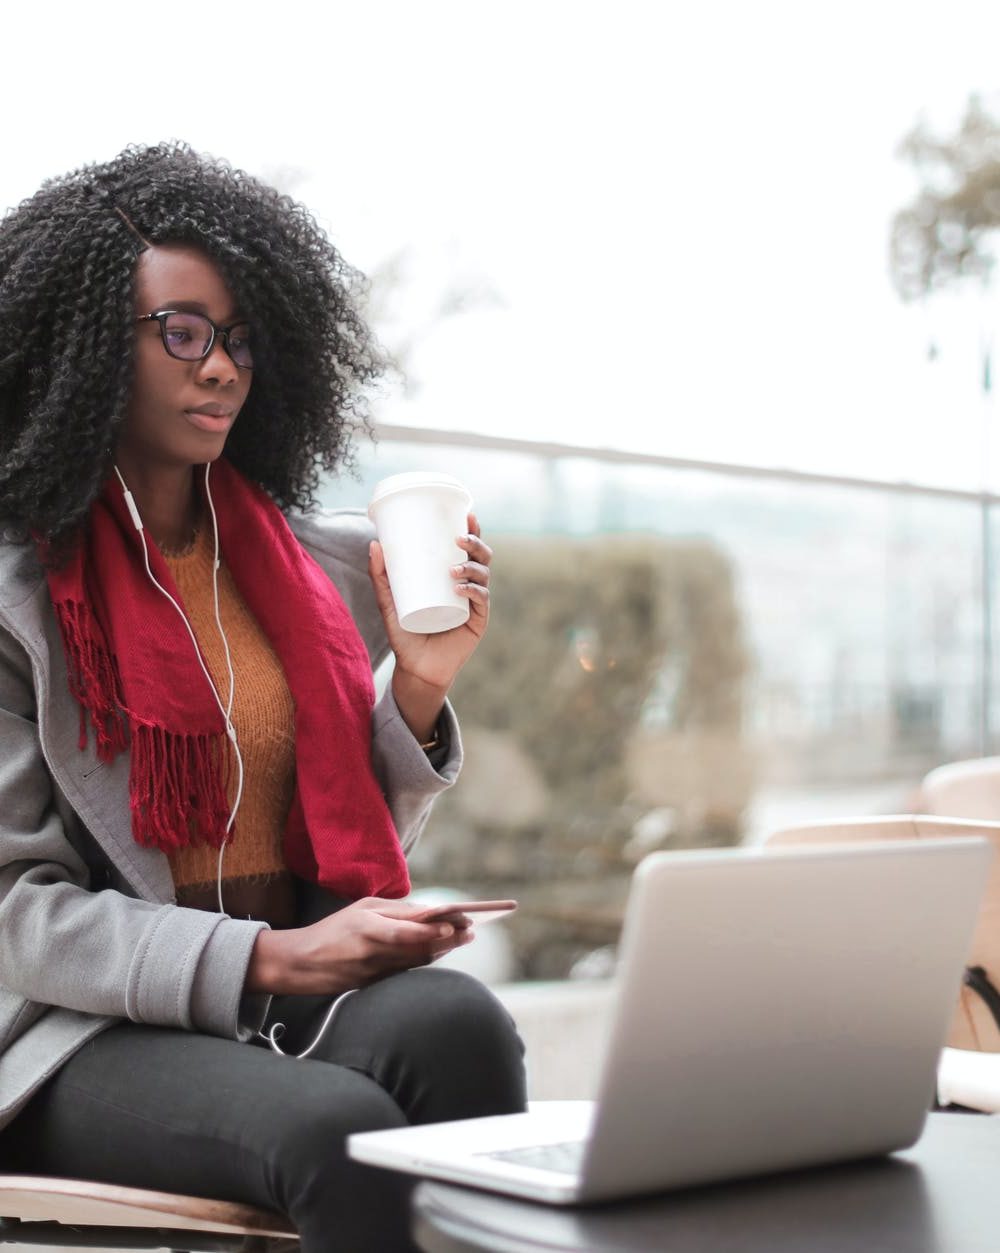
(278, 1029)
(226, 712)
(230, 729)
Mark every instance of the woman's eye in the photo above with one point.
(178, 337)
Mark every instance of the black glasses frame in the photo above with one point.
(218, 332)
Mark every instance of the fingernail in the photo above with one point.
(457, 569)
(446, 930)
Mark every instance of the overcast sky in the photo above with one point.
(677, 213)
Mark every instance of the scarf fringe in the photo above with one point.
(93, 680)
(178, 788)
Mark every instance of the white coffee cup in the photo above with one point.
(418, 516)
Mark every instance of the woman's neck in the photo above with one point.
(167, 501)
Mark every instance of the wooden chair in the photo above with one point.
(75, 1213)
(963, 789)
(973, 1026)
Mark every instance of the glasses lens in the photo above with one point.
(239, 345)
(187, 335)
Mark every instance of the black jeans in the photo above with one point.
(178, 1111)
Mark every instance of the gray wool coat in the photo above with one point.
(90, 933)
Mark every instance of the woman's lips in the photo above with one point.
(209, 420)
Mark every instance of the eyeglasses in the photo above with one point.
(191, 336)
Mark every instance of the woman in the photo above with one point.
(203, 820)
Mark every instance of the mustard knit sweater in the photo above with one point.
(255, 880)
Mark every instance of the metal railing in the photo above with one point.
(983, 501)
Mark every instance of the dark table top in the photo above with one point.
(941, 1196)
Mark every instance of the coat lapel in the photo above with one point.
(98, 793)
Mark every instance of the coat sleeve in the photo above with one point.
(100, 952)
(409, 778)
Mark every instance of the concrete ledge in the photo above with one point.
(564, 1026)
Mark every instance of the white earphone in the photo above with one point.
(227, 709)
(278, 1029)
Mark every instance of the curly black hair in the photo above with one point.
(67, 263)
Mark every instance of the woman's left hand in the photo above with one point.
(426, 665)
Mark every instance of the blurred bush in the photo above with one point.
(602, 718)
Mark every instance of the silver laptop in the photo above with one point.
(775, 1009)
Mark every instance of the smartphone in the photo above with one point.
(453, 911)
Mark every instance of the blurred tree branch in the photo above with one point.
(946, 232)
(451, 296)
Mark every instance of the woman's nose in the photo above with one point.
(218, 364)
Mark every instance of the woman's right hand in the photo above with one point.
(356, 945)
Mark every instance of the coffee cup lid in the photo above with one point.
(414, 479)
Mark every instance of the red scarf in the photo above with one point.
(132, 668)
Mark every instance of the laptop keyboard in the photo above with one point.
(565, 1158)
